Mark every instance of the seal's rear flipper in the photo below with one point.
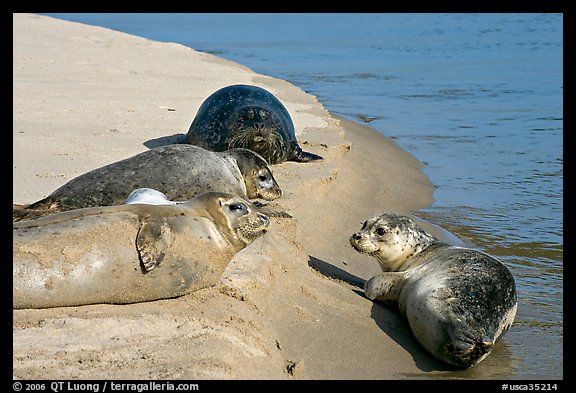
(467, 347)
(34, 210)
(17, 210)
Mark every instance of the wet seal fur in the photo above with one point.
(458, 301)
(179, 171)
(249, 117)
(131, 253)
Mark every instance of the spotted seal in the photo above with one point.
(130, 253)
(250, 117)
(179, 171)
(458, 301)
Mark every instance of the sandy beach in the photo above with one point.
(289, 306)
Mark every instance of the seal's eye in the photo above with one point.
(262, 177)
(364, 224)
(380, 231)
(236, 206)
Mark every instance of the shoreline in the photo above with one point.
(290, 306)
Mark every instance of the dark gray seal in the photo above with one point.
(458, 301)
(131, 253)
(179, 171)
(249, 117)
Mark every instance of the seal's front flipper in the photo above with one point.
(304, 156)
(385, 287)
(153, 240)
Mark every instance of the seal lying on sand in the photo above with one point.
(250, 117)
(131, 253)
(458, 301)
(179, 171)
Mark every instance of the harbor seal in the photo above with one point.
(130, 253)
(458, 301)
(179, 171)
(250, 117)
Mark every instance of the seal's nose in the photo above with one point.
(356, 236)
(265, 220)
(259, 127)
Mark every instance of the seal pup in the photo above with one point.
(458, 301)
(250, 117)
(131, 253)
(179, 171)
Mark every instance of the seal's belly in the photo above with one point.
(95, 260)
(67, 263)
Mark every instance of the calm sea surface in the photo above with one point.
(477, 97)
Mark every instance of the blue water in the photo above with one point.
(477, 97)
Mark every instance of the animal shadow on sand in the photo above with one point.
(331, 271)
(387, 318)
(163, 141)
(398, 329)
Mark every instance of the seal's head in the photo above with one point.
(257, 128)
(391, 239)
(258, 177)
(240, 221)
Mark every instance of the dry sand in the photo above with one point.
(291, 305)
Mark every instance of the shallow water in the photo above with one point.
(477, 97)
